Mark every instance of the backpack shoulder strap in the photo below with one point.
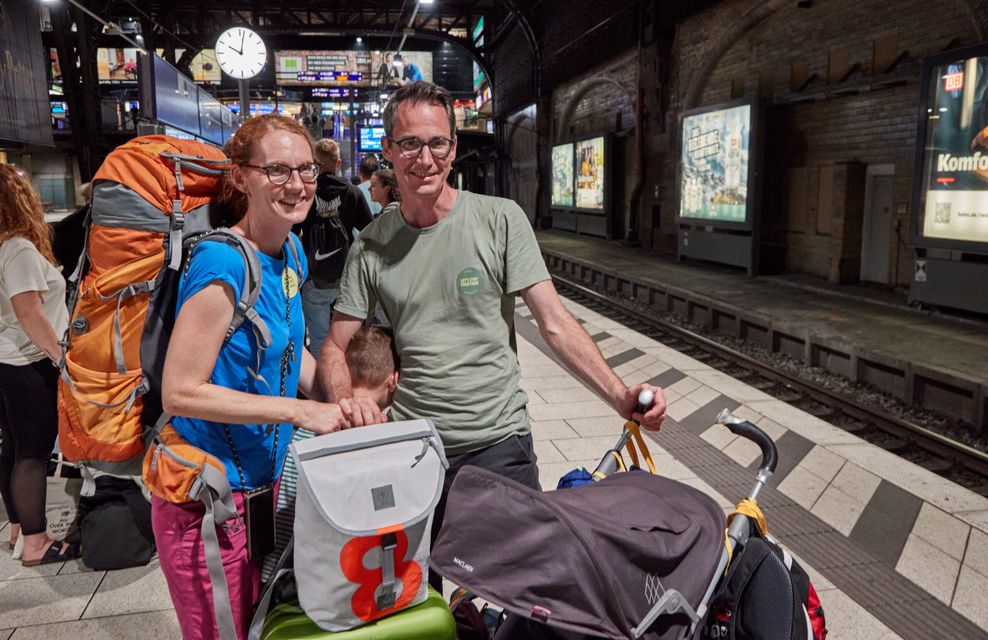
(249, 293)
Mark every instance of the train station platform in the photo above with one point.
(870, 335)
(894, 551)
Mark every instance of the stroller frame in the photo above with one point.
(738, 532)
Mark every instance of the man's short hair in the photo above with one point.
(327, 153)
(419, 91)
(371, 356)
(368, 166)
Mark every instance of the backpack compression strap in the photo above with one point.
(176, 225)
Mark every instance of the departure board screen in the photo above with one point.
(351, 68)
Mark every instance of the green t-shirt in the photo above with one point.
(448, 291)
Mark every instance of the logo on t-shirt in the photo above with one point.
(289, 282)
(469, 281)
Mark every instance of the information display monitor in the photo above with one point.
(950, 199)
(370, 138)
(715, 182)
(348, 68)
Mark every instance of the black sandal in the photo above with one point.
(54, 554)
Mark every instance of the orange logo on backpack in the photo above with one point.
(408, 573)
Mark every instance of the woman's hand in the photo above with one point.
(321, 417)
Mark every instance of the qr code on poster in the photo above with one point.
(942, 213)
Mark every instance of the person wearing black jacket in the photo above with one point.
(338, 211)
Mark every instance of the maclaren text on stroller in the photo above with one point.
(629, 555)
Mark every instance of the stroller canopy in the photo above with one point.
(592, 559)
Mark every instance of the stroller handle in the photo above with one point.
(747, 430)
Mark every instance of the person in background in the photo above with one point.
(70, 233)
(33, 318)
(384, 190)
(338, 211)
(446, 268)
(223, 400)
(367, 168)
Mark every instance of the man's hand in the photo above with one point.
(653, 417)
(361, 412)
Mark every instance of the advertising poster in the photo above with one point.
(955, 156)
(562, 175)
(360, 68)
(590, 174)
(714, 183)
(116, 65)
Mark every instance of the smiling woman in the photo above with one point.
(230, 398)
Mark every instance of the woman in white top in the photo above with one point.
(32, 318)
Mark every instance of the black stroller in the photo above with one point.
(630, 555)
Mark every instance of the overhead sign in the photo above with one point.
(361, 68)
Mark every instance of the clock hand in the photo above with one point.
(242, 34)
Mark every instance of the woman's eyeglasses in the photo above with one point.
(280, 174)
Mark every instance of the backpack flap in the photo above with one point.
(362, 520)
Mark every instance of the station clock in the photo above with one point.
(241, 52)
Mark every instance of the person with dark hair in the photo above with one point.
(338, 212)
(33, 317)
(234, 401)
(384, 189)
(368, 165)
(446, 267)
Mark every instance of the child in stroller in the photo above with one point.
(631, 555)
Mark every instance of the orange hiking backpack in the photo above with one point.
(148, 194)
(151, 205)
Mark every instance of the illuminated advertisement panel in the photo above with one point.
(116, 65)
(361, 68)
(562, 175)
(590, 173)
(952, 195)
(715, 180)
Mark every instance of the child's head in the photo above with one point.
(373, 364)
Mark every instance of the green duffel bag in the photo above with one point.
(430, 620)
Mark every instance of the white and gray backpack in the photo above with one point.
(363, 515)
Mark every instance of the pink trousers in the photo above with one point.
(178, 535)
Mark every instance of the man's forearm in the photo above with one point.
(571, 343)
(332, 374)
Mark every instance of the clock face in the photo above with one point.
(241, 52)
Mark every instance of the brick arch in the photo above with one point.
(583, 90)
(759, 13)
(514, 123)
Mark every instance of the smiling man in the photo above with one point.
(445, 267)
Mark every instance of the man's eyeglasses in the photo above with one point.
(411, 147)
(280, 174)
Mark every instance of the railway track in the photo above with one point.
(936, 452)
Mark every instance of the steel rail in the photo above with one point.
(966, 456)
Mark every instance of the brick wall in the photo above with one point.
(823, 73)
